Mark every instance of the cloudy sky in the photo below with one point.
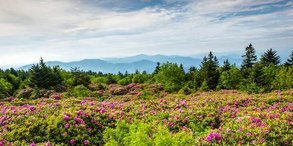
(67, 30)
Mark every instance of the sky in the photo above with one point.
(67, 30)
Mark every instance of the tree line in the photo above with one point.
(255, 76)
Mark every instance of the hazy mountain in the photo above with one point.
(186, 61)
(133, 63)
(103, 66)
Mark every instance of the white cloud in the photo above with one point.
(72, 30)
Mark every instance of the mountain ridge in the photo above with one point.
(130, 64)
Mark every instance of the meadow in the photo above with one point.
(144, 114)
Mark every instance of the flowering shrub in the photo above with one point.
(212, 118)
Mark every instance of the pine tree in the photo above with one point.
(249, 58)
(226, 66)
(290, 60)
(44, 77)
(157, 69)
(209, 72)
(270, 57)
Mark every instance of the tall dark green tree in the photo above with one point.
(44, 77)
(249, 58)
(209, 71)
(270, 57)
(289, 61)
(80, 77)
(157, 69)
(226, 65)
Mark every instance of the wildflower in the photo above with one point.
(66, 117)
(79, 112)
(248, 134)
(209, 138)
(48, 144)
(102, 110)
(212, 136)
(86, 142)
(32, 144)
(71, 142)
(32, 108)
(1, 143)
(170, 124)
(67, 125)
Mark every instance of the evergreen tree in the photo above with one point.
(270, 57)
(249, 58)
(226, 66)
(157, 69)
(44, 77)
(209, 72)
(194, 78)
(290, 60)
(80, 77)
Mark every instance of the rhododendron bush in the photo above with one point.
(208, 118)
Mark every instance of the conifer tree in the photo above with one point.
(270, 57)
(226, 66)
(44, 77)
(157, 69)
(209, 72)
(290, 60)
(249, 58)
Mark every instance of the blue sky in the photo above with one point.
(67, 30)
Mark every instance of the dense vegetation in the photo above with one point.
(253, 76)
(51, 106)
(146, 115)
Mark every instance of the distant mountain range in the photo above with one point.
(133, 63)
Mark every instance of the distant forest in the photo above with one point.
(256, 75)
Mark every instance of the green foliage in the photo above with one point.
(44, 77)
(5, 88)
(170, 76)
(141, 78)
(270, 57)
(146, 135)
(209, 71)
(80, 77)
(230, 79)
(289, 61)
(249, 58)
(125, 81)
(80, 91)
(284, 78)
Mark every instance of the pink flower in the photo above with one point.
(66, 117)
(248, 134)
(79, 112)
(102, 110)
(86, 142)
(48, 144)
(71, 142)
(214, 136)
(32, 144)
(1, 143)
(67, 125)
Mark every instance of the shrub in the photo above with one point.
(80, 91)
(5, 88)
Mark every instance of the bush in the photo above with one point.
(145, 134)
(171, 76)
(80, 91)
(5, 88)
